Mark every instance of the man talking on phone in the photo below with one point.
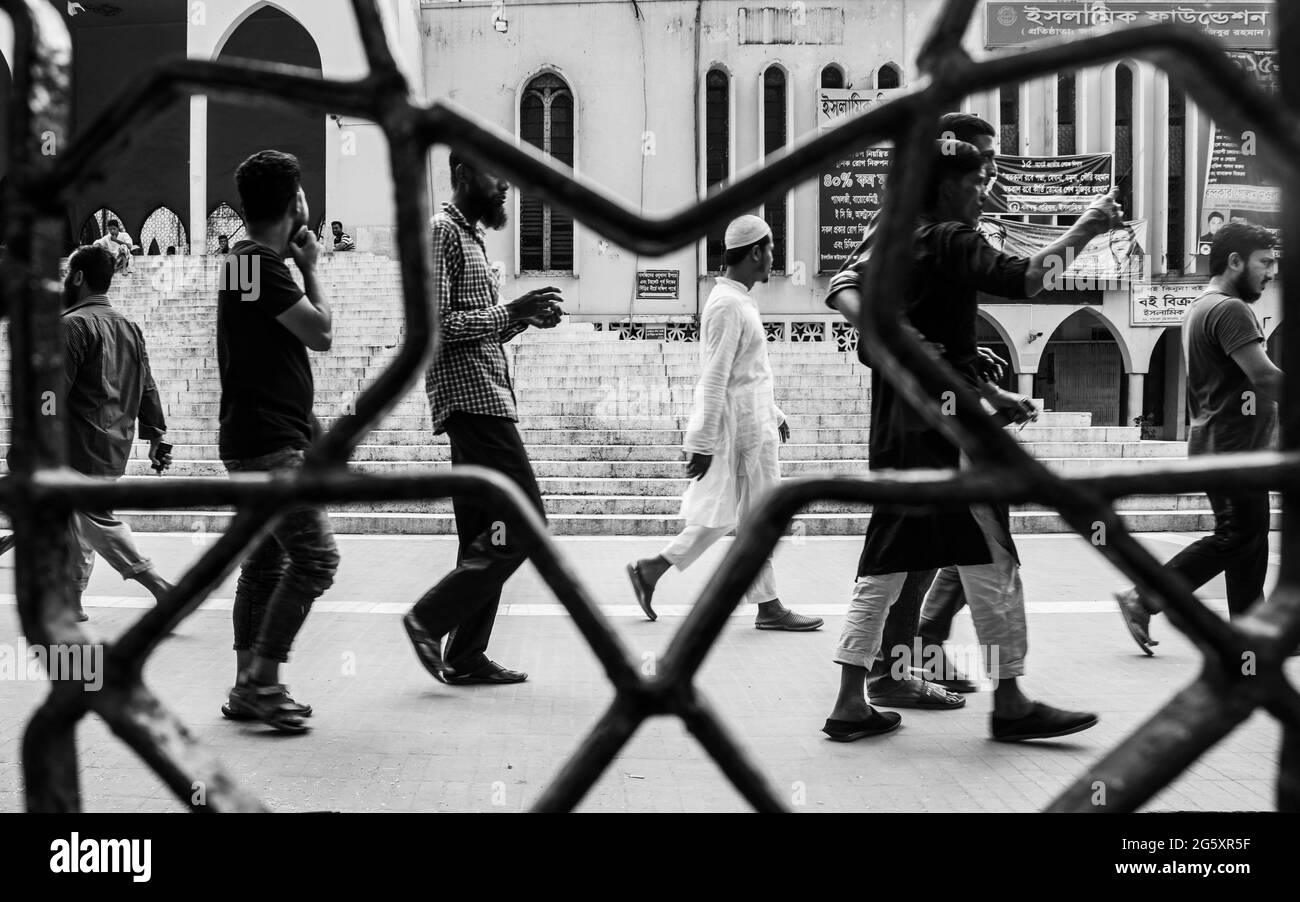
(265, 326)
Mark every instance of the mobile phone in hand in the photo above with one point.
(164, 448)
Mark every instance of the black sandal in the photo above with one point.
(850, 730)
(271, 705)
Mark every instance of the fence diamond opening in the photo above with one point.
(41, 492)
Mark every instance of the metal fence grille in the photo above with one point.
(40, 492)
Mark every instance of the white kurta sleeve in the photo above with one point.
(721, 332)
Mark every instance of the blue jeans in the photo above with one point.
(289, 570)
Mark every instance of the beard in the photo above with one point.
(1242, 289)
(495, 217)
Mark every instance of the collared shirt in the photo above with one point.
(107, 387)
(470, 373)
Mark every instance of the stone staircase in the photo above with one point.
(602, 418)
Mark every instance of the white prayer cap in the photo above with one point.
(745, 231)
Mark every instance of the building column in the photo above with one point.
(198, 174)
(1136, 381)
(1025, 384)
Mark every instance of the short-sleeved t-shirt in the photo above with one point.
(1228, 414)
(266, 381)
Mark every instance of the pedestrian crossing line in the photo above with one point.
(554, 609)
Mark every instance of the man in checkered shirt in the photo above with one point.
(472, 400)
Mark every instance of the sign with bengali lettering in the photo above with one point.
(1238, 182)
(657, 284)
(1241, 26)
(850, 193)
(1049, 186)
(1162, 303)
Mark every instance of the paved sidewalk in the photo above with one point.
(387, 737)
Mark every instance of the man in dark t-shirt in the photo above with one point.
(265, 324)
(1232, 390)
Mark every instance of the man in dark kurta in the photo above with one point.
(951, 263)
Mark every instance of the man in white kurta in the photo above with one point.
(734, 432)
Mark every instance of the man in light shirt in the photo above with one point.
(734, 432)
(118, 243)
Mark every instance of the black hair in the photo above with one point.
(334, 223)
(223, 237)
(952, 159)
(96, 263)
(1222, 218)
(965, 127)
(733, 255)
(114, 222)
(268, 182)
(454, 160)
(1237, 238)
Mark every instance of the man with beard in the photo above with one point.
(732, 438)
(472, 400)
(1232, 390)
(951, 263)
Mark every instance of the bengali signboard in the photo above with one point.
(1162, 303)
(1245, 26)
(1049, 186)
(1237, 185)
(850, 192)
(657, 284)
(1110, 261)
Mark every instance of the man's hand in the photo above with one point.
(158, 461)
(307, 253)
(1103, 214)
(698, 465)
(548, 320)
(783, 430)
(991, 365)
(1016, 408)
(537, 303)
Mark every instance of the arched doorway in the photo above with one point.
(1082, 370)
(1164, 390)
(237, 130)
(224, 221)
(163, 229)
(96, 225)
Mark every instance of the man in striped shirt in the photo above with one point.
(472, 400)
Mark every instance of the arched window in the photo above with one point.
(161, 230)
(546, 122)
(889, 77)
(774, 138)
(96, 225)
(1175, 247)
(832, 77)
(717, 150)
(1065, 114)
(224, 221)
(1124, 137)
(1009, 110)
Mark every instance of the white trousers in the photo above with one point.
(692, 541)
(994, 592)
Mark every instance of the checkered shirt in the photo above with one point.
(470, 373)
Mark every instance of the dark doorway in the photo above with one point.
(1082, 370)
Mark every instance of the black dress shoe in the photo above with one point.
(428, 648)
(1042, 722)
(491, 672)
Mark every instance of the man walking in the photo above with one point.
(734, 432)
(1232, 390)
(265, 324)
(472, 399)
(107, 386)
(951, 262)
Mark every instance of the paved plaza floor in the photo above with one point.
(387, 737)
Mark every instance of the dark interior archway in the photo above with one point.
(1082, 370)
(236, 131)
